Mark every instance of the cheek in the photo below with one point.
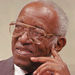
(43, 48)
(47, 43)
(14, 40)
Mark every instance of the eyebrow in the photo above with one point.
(39, 27)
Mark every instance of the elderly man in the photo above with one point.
(38, 36)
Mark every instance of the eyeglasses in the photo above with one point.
(33, 31)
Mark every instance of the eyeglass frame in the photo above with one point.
(46, 35)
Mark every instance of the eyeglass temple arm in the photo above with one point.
(19, 23)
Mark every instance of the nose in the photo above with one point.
(24, 39)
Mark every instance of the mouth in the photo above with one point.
(23, 51)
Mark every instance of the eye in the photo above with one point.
(40, 35)
(18, 28)
(49, 36)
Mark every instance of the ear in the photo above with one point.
(60, 43)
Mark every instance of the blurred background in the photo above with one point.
(9, 10)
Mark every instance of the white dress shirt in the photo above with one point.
(18, 70)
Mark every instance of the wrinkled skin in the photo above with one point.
(38, 60)
(54, 65)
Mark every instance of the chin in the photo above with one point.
(26, 65)
(22, 62)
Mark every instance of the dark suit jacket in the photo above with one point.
(7, 67)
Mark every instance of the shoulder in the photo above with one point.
(6, 66)
(6, 63)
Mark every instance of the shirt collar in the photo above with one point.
(18, 70)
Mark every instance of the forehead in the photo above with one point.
(40, 15)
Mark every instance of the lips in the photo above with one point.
(23, 51)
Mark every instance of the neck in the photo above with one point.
(30, 69)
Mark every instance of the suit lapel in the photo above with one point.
(10, 68)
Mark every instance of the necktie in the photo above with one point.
(29, 74)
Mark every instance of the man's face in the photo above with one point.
(30, 43)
